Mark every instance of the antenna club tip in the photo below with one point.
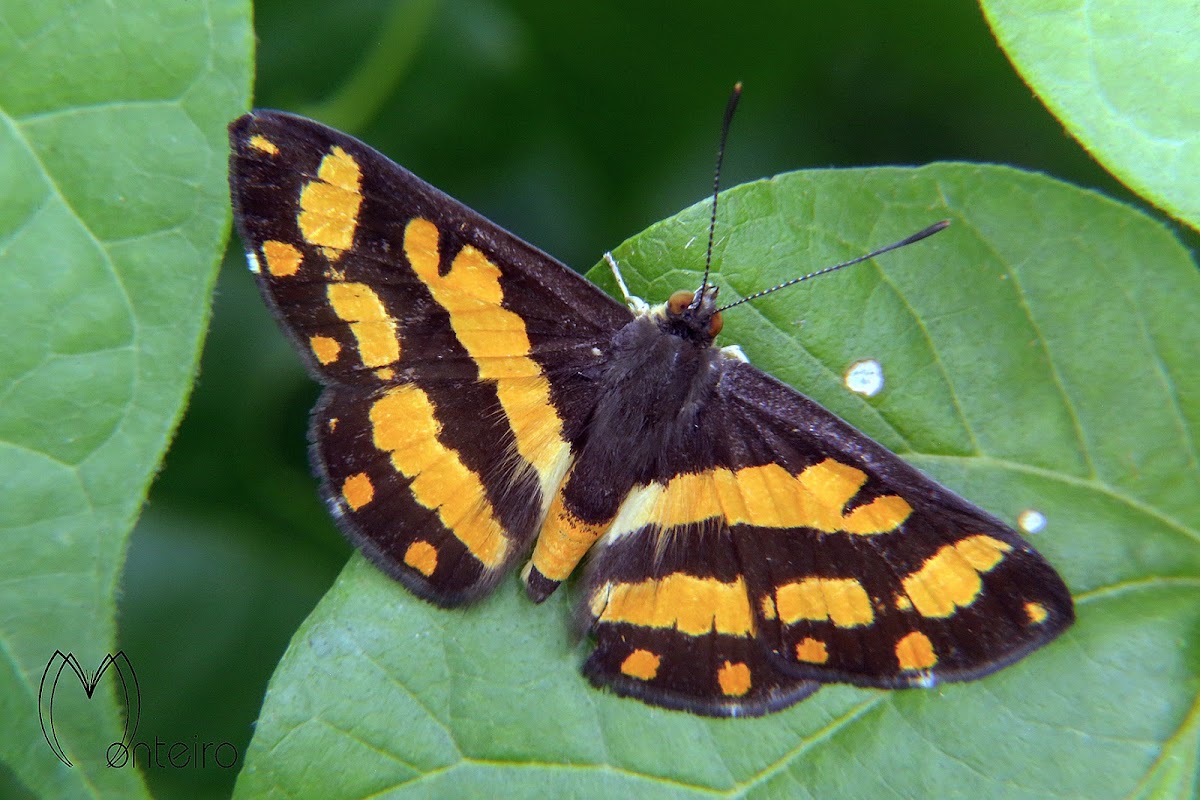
(737, 88)
(936, 227)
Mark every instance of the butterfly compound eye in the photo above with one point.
(678, 301)
(715, 324)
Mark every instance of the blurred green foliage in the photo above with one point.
(574, 126)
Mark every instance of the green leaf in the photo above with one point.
(1121, 76)
(1037, 355)
(1177, 773)
(114, 218)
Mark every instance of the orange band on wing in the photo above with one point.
(403, 424)
(842, 601)
(950, 578)
(691, 605)
(767, 496)
(329, 204)
(372, 326)
(563, 541)
(497, 341)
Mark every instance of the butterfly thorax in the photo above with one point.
(659, 377)
(653, 395)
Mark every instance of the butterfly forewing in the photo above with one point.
(915, 586)
(438, 439)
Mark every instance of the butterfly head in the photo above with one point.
(691, 315)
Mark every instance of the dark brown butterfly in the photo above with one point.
(746, 545)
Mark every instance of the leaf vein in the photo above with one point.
(1055, 374)
(1092, 484)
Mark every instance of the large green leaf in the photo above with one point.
(114, 217)
(1037, 355)
(1122, 76)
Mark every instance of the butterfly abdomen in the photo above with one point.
(644, 425)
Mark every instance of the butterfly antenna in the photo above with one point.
(916, 237)
(730, 107)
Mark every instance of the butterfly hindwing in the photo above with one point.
(437, 334)
(674, 624)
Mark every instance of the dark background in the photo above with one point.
(575, 128)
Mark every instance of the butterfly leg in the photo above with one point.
(734, 351)
(636, 304)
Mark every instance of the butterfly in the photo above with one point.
(482, 401)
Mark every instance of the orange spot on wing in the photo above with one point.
(982, 552)
(641, 664)
(283, 260)
(832, 485)
(1036, 612)
(734, 679)
(812, 650)
(263, 144)
(421, 556)
(358, 490)
(767, 605)
(915, 651)
(881, 515)
(324, 348)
